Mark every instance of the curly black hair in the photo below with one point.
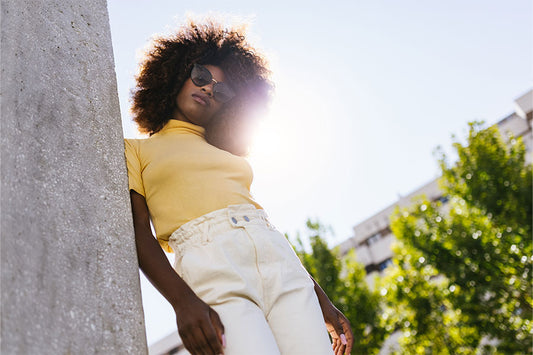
(168, 63)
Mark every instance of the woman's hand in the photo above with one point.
(337, 324)
(339, 328)
(199, 327)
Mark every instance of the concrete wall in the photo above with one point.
(69, 273)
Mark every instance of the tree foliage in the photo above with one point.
(462, 270)
(416, 304)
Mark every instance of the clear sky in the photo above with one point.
(365, 91)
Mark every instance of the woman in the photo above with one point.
(236, 287)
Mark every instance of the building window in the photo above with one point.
(373, 239)
(443, 199)
(371, 268)
(384, 264)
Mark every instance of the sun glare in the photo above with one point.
(293, 142)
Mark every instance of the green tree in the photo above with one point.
(344, 282)
(322, 263)
(416, 303)
(478, 246)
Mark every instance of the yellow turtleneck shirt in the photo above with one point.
(183, 177)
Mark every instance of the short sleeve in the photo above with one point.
(133, 163)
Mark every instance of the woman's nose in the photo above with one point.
(208, 89)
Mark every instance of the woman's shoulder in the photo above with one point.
(132, 140)
(137, 142)
(132, 143)
(136, 145)
(143, 146)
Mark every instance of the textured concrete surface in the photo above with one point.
(69, 274)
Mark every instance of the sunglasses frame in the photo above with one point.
(219, 88)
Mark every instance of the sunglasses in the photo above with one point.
(201, 76)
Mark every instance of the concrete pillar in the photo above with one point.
(69, 273)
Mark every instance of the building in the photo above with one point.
(373, 237)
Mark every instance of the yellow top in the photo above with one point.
(183, 177)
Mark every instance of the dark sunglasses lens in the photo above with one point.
(200, 76)
(223, 93)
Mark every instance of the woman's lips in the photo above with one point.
(201, 99)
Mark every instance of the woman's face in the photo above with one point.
(196, 104)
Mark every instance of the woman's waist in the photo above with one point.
(202, 229)
(168, 216)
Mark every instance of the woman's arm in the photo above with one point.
(337, 324)
(199, 325)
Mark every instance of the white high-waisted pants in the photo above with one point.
(240, 265)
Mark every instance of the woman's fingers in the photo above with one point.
(201, 329)
(212, 343)
(338, 347)
(339, 329)
(347, 332)
(195, 341)
(219, 327)
(341, 332)
(202, 340)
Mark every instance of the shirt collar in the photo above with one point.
(183, 127)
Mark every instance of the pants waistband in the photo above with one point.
(202, 229)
